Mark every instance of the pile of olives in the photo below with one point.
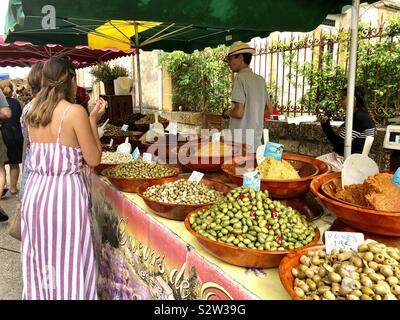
(184, 192)
(249, 219)
(115, 158)
(370, 273)
(141, 170)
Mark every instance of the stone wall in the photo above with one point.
(309, 139)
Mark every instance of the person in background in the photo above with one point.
(82, 97)
(14, 148)
(5, 113)
(363, 126)
(250, 99)
(34, 82)
(55, 203)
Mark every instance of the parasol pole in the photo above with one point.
(351, 80)
(138, 67)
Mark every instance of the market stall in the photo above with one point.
(143, 244)
(143, 255)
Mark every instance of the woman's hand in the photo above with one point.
(98, 110)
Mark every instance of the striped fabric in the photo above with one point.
(357, 135)
(57, 248)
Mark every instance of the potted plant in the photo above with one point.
(105, 73)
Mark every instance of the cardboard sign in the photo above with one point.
(125, 127)
(274, 150)
(252, 180)
(216, 137)
(196, 177)
(135, 154)
(147, 157)
(343, 240)
(396, 178)
(173, 128)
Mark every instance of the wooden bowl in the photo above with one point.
(331, 187)
(146, 126)
(292, 260)
(242, 257)
(131, 185)
(177, 211)
(134, 135)
(379, 222)
(307, 167)
(186, 156)
(166, 151)
(142, 126)
(102, 166)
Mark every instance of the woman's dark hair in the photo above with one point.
(360, 98)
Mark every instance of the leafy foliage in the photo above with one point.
(378, 71)
(201, 80)
(104, 72)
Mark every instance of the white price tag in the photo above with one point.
(216, 137)
(173, 128)
(196, 177)
(125, 127)
(252, 180)
(343, 240)
(111, 143)
(147, 157)
(136, 154)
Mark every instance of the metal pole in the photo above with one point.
(351, 77)
(138, 67)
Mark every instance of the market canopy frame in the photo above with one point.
(24, 54)
(183, 25)
(219, 21)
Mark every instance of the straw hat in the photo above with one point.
(240, 47)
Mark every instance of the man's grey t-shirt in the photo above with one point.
(249, 89)
(3, 100)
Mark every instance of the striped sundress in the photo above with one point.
(57, 248)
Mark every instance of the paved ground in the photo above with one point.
(10, 258)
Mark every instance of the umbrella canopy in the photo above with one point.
(185, 25)
(24, 54)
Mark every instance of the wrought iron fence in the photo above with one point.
(292, 67)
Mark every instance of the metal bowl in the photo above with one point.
(172, 210)
(242, 257)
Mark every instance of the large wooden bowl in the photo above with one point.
(379, 222)
(102, 166)
(131, 185)
(146, 126)
(177, 211)
(292, 260)
(187, 157)
(307, 167)
(121, 138)
(166, 151)
(242, 257)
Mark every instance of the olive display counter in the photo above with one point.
(142, 255)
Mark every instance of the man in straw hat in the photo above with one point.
(250, 99)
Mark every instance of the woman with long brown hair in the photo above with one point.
(57, 249)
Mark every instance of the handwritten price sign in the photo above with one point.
(342, 240)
